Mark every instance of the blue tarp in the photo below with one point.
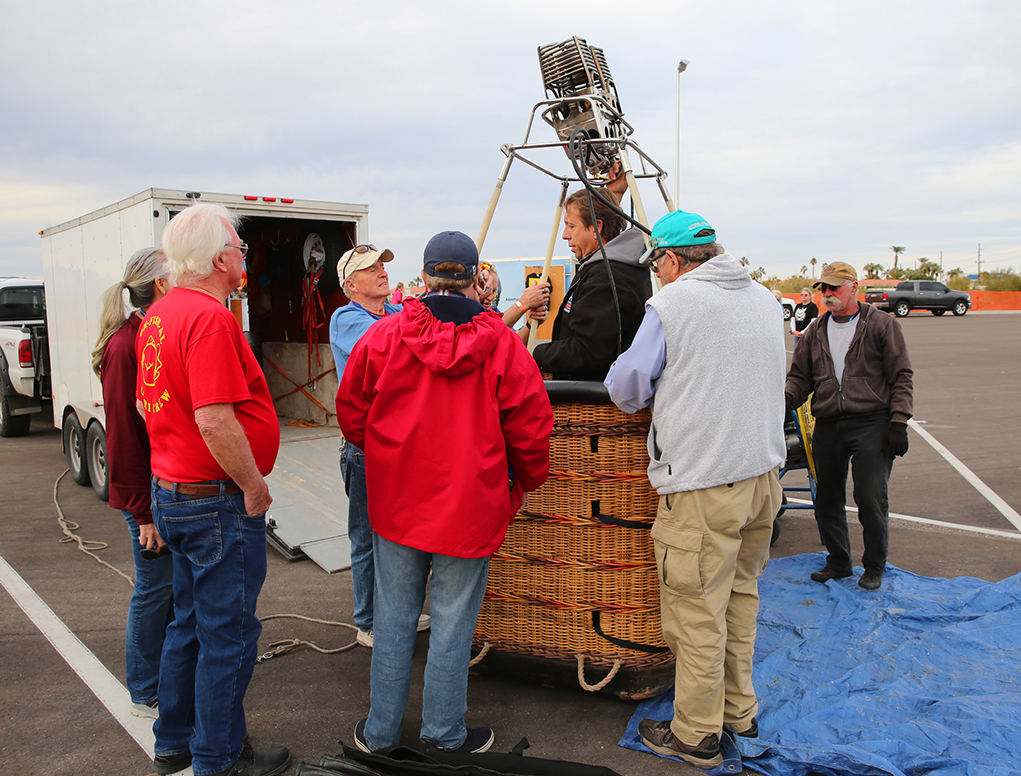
(920, 677)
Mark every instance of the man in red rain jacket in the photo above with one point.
(455, 423)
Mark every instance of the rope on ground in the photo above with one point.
(90, 547)
(478, 658)
(596, 687)
(287, 645)
(85, 545)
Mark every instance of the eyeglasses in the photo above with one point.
(654, 261)
(358, 250)
(243, 247)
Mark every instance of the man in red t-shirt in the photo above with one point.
(215, 437)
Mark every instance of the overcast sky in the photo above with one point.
(808, 129)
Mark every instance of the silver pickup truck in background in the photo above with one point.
(24, 354)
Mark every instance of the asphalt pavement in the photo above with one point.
(967, 373)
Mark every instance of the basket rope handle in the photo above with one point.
(599, 686)
(482, 653)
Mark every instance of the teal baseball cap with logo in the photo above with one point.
(678, 229)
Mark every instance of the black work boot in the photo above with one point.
(259, 762)
(830, 572)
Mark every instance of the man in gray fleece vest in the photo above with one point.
(709, 358)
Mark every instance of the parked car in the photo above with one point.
(919, 295)
(788, 308)
(24, 357)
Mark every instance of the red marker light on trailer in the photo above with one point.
(251, 199)
(25, 354)
(269, 199)
(287, 201)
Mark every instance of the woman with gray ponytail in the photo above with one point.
(127, 459)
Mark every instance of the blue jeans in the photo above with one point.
(359, 533)
(861, 441)
(209, 654)
(455, 597)
(150, 611)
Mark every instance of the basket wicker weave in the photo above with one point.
(576, 575)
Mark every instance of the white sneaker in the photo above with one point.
(365, 637)
(145, 710)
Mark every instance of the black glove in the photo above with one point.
(788, 404)
(897, 439)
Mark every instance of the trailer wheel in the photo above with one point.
(74, 449)
(95, 451)
(11, 425)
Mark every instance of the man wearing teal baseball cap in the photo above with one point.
(710, 351)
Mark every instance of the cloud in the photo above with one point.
(808, 129)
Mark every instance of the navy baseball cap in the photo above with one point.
(452, 246)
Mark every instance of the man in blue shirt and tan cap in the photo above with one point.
(709, 357)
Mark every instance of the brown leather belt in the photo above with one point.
(199, 488)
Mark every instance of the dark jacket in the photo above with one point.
(877, 370)
(585, 330)
(127, 441)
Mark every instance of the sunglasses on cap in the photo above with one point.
(358, 250)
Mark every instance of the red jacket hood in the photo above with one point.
(443, 353)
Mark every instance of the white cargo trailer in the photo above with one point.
(280, 308)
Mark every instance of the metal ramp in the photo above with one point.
(308, 518)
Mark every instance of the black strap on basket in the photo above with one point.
(624, 642)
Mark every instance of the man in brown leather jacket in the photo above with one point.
(854, 359)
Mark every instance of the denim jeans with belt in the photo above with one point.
(359, 533)
(209, 654)
(455, 597)
(150, 611)
(860, 440)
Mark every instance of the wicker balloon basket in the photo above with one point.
(573, 594)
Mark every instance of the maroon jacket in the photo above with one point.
(444, 412)
(127, 441)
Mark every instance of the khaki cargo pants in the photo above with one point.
(711, 546)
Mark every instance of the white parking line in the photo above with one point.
(929, 521)
(1002, 506)
(97, 677)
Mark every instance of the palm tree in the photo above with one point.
(804, 270)
(813, 263)
(929, 269)
(415, 281)
(872, 270)
(744, 261)
(897, 251)
(758, 274)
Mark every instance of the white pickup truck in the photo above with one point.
(25, 360)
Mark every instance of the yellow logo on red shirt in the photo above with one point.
(151, 365)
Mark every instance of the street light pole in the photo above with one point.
(681, 67)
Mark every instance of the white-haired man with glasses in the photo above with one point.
(364, 280)
(709, 358)
(214, 435)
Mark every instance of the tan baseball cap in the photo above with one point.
(836, 274)
(361, 257)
